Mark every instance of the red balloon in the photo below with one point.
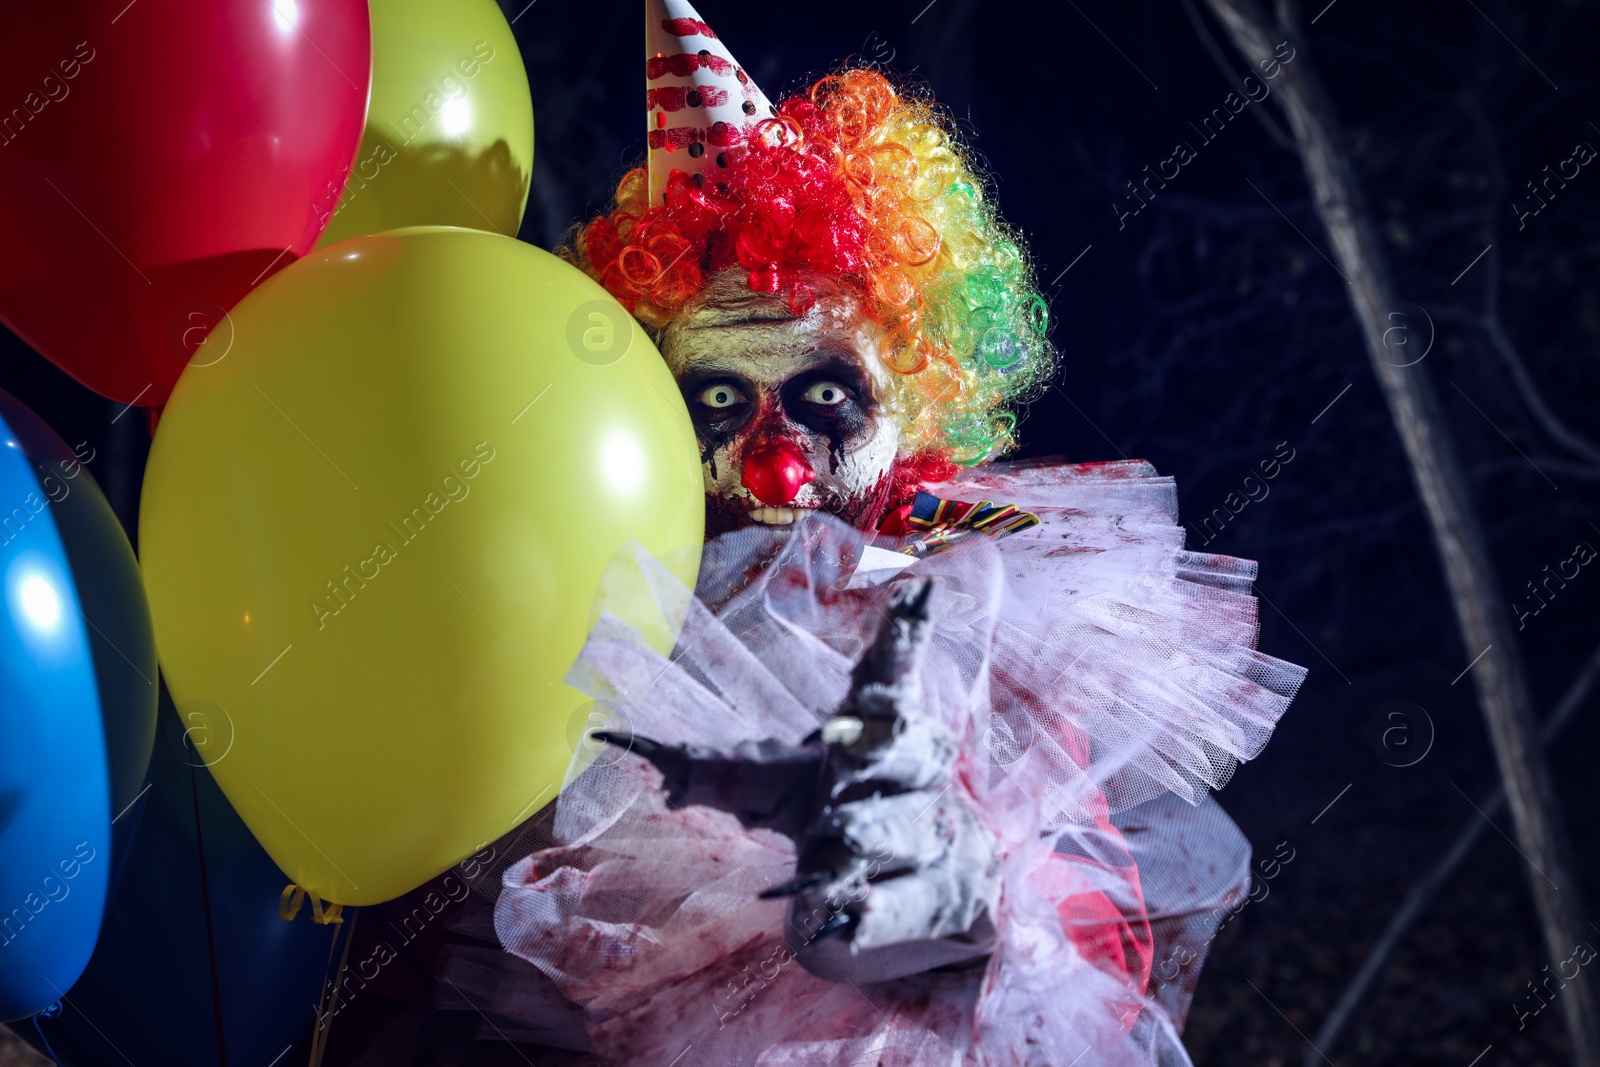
(160, 158)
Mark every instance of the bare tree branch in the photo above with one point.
(1424, 891)
(1496, 663)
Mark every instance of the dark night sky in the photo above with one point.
(1206, 333)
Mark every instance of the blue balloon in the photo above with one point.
(55, 792)
(197, 888)
(111, 601)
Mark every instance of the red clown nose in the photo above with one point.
(775, 472)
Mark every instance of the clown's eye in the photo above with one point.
(826, 394)
(718, 397)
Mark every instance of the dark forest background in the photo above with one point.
(1209, 332)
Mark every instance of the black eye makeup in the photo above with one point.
(718, 403)
(832, 398)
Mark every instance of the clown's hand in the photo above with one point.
(891, 885)
(767, 784)
(895, 872)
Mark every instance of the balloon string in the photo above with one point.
(319, 1040)
(40, 1030)
(294, 896)
(211, 940)
(322, 995)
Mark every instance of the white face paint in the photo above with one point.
(774, 391)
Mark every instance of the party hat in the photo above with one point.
(701, 102)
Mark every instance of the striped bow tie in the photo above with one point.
(933, 525)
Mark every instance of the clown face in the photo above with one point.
(789, 406)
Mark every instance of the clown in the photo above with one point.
(926, 779)
(841, 302)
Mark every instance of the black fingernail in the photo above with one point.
(840, 922)
(633, 742)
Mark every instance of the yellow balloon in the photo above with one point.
(373, 526)
(449, 136)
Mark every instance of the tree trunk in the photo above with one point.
(1481, 613)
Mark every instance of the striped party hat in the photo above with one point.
(701, 102)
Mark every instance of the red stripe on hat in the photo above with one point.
(725, 135)
(667, 97)
(678, 137)
(687, 28)
(684, 64)
(678, 97)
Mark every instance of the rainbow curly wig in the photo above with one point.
(857, 181)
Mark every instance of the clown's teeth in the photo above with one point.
(774, 516)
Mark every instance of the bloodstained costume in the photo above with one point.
(926, 777)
